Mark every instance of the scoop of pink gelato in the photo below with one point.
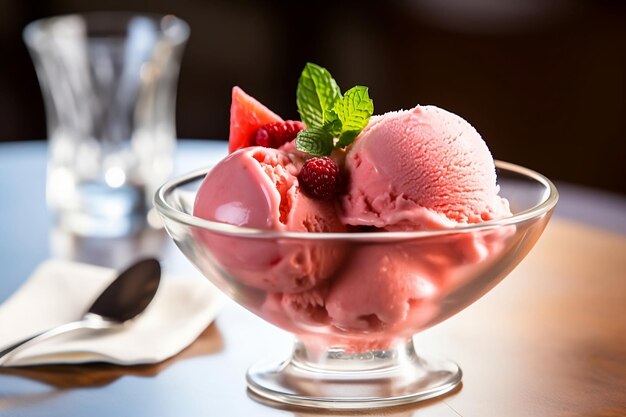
(377, 288)
(257, 187)
(419, 169)
(424, 168)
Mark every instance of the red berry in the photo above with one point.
(275, 135)
(319, 178)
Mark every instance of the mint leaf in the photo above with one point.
(347, 138)
(327, 114)
(331, 118)
(333, 124)
(354, 111)
(316, 95)
(315, 141)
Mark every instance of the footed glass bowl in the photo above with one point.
(354, 300)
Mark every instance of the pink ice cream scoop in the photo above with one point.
(257, 187)
(419, 169)
(378, 288)
(424, 168)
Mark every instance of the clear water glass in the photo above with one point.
(109, 87)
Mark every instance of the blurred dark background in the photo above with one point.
(543, 81)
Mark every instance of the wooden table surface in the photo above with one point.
(550, 340)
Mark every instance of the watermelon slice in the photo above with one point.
(246, 116)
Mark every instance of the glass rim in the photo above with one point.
(166, 210)
(178, 36)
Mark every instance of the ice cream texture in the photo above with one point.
(422, 168)
(257, 187)
(418, 169)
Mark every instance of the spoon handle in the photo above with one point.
(87, 322)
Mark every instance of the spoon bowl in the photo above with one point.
(130, 293)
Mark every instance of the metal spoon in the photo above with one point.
(126, 297)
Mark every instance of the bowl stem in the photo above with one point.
(337, 378)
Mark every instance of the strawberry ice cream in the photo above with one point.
(424, 168)
(420, 169)
(387, 290)
(256, 187)
(380, 285)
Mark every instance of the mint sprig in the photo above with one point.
(316, 95)
(328, 114)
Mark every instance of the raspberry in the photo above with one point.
(275, 135)
(319, 177)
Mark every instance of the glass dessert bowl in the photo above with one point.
(354, 300)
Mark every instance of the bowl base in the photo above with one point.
(366, 380)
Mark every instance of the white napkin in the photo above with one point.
(60, 291)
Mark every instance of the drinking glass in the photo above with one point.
(109, 87)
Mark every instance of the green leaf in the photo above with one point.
(315, 141)
(354, 111)
(316, 95)
(330, 116)
(327, 114)
(333, 126)
(347, 138)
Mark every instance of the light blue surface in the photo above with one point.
(25, 223)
